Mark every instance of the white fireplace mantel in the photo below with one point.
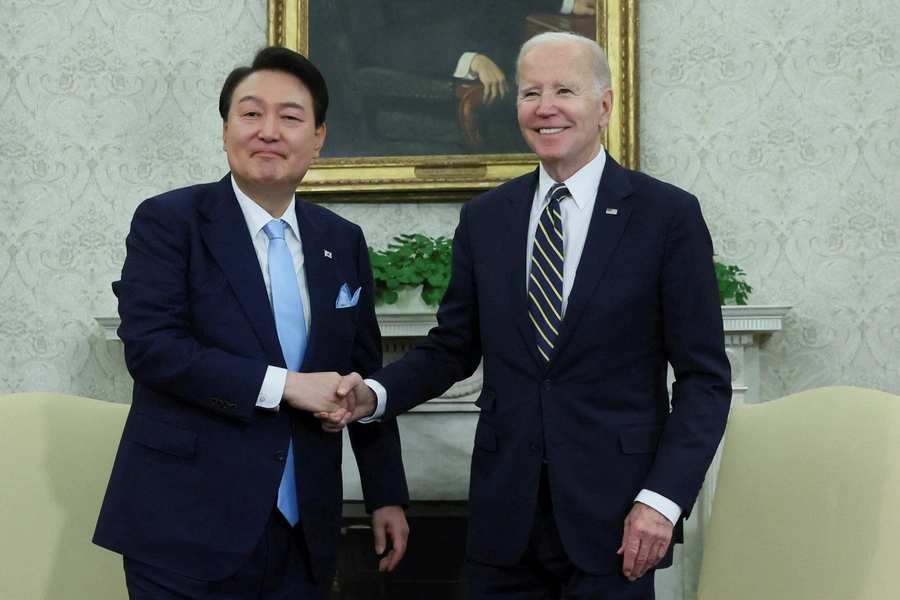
(745, 328)
(738, 320)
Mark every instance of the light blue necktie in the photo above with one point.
(291, 325)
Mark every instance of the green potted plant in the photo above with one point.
(732, 287)
(414, 260)
(410, 261)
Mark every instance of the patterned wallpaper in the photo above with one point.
(784, 118)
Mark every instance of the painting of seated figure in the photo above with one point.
(427, 78)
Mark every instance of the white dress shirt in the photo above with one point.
(256, 217)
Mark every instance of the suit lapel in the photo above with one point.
(519, 201)
(228, 240)
(321, 280)
(603, 234)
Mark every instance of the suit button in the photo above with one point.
(280, 455)
(536, 445)
(546, 385)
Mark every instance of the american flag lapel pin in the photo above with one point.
(327, 254)
(612, 211)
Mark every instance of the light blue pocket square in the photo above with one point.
(344, 299)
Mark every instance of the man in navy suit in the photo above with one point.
(582, 470)
(217, 413)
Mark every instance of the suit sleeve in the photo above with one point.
(694, 345)
(376, 446)
(452, 350)
(155, 301)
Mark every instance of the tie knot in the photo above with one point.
(558, 192)
(275, 229)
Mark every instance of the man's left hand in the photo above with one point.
(390, 521)
(647, 537)
(491, 76)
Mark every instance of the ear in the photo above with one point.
(224, 135)
(606, 107)
(319, 140)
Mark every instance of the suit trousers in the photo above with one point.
(278, 569)
(545, 571)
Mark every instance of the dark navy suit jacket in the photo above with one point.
(645, 294)
(198, 468)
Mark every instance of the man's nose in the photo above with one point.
(546, 105)
(268, 129)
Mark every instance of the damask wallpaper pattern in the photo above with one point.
(783, 118)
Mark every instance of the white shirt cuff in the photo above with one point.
(567, 7)
(669, 509)
(381, 395)
(463, 67)
(272, 388)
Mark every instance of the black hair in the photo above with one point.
(276, 58)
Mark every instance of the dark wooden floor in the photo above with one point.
(432, 568)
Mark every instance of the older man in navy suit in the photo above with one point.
(240, 306)
(576, 284)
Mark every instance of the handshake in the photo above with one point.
(336, 400)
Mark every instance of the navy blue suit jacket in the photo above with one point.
(645, 294)
(198, 467)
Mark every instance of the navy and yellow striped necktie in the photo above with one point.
(545, 286)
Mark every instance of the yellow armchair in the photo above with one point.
(807, 504)
(56, 453)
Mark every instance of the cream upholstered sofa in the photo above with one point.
(56, 453)
(807, 504)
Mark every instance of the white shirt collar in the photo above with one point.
(257, 217)
(582, 185)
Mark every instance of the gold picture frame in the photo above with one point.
(453, 177)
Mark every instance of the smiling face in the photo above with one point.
(560, 112)
(270, 136)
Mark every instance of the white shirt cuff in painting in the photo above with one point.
(464, 66)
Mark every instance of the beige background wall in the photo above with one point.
(783, 117)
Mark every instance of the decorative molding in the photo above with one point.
(110, 326)
(739, 322)
(753, 319)
(735, 319)
(744, 328)
(405, 325)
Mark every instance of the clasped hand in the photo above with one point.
(334, 399)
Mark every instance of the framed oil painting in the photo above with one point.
(409, 117)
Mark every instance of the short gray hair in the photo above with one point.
(599, 61)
